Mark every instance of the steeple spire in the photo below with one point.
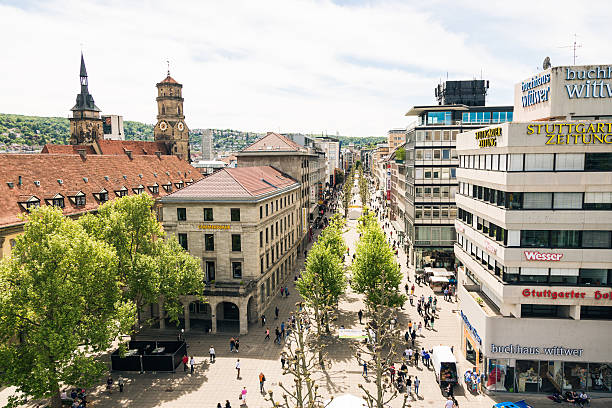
(84, 100)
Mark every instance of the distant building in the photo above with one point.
(112, 126)
(470, 93)
(396, 137)
(207, 167)
(331, 147)
(207, 145)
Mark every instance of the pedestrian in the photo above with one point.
(232, 344)
(416, 358)
(446, 295)
(219, 405)
(411, 300)
(237, 345)
(275, 312)
(185, 362)
(417, 382)
(412, 290)
(277, 339)
(238, 369)
(409, 353)
(227, 404)
(449, 402)
(192, 364)
(392, 373)
(262, 380)
(109, 384)
(409, 384)
(121, 383)
(406, 288)
(283, 329)
(360, 314)
(431, 320)
(407, 336)
(267, 334)
(211, 352)
(419, 329)
(413, 337)
(282, 359)
(243, 395)
(286, 291)
(426, 359)
(263, 320)
(365, 369)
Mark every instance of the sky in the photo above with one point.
(352, 67)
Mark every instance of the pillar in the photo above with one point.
(213, 317)
(244, 319)
(187, 322)
(162, 321)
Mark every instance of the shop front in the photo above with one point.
(471, 344)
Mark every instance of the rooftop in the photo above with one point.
(274, 142)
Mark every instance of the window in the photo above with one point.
(267, 235)
(418, 154)
(515, 162)
(427, 154)
(80, 200)
(236, 244)
(565, 239)
(138, 190)
(210, 271)
(237, 270)
(446, 154)
(208, 214)
(443, 118)
(103, 196)
(58, 202)
(437, 154)
(534, 239)
(569, 161)
(594, 277)
(596, 312)
(266, 210)
(596, 239)
(514, 201)
(537, 201)
(154, 189)
(261, 239)
(182, 239)
(568, 200)
(261, 265)
(598, 162)
(209, 242)
(167, 188)
(598, 201)
(181, 214)
(554, 311)
(235, 214)
(260, 212)
(539, 161)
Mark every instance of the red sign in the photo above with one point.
(571, 294)
(388, 194)
(542, 256)
(490, 248)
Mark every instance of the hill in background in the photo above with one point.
(31, 133)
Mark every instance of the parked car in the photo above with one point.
(517, 404)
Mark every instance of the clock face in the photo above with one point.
(163, 125)
(180, 126)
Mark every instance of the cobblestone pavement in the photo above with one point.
(217, 382)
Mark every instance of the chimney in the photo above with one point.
(158, 154)
(82, 153)
(129, 153)
(19, 182)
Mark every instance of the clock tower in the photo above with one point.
(171, 128)
(85, 123)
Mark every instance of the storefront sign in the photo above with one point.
(551, 351)
(572, 294)
(208, 226)
(573, 133)
(535, 96)
(490, 248)
(590, 88)
(471, 329)
(488, 137)
(542, 256)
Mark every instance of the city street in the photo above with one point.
(217, 382)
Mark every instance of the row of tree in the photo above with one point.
(73, 287)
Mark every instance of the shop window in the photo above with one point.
(551, 376)
(596, 312)
(527, 376)
(545, 311)
(500, 376)
(575, 376)
(601, 377)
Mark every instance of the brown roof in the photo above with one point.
(274, 142)
(66, 149)
(46, 175)
(241, 182)
(136, 146)
(169, 80)
(229, 159)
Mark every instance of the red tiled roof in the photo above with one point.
(241, 182)
(66, 149)
(169, 80)
(136, 146)
(87, 175)
(274, 142)
(229, 159)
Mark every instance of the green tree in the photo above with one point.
(60, 305)
(364, 190)
(149, 268)
(347, 193)
(332, 238)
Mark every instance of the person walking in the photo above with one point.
(262, 380)
(237, 344)
(192, 364)
(360, 314)
(185, 362)
(431, 321)
(419, 329)
(211, 353)
(275, 312)
(263, 320)
(243, 394)
(365, 369)
(267, 334)
(282, 360)
(411, 299)
(227, 404)
(417, 382)
(409, 384)
(277, 339)
(121, 384)
(238, 369)
(109, 384)
(449, 402)
(232, 344)
(282, 330)
(413, 336)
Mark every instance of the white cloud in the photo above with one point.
(284, 65)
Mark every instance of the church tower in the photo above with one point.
(85, 123)
(171, 128)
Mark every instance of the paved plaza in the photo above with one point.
(217, 382)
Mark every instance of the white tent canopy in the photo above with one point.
(346, 401)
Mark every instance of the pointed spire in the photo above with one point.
(168, 62)
(83, 70)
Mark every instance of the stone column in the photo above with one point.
(162, 321)
(187, 322)
(213, 317)
(244, 319)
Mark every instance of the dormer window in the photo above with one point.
(102, 196)
(122, 192)
(179, 185)
(78, 198)
(154, 189)
(138, 190)
(56, 201)
(29, 203)
(167, 187)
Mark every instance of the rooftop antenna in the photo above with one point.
(574, 46)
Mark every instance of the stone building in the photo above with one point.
(243, 224)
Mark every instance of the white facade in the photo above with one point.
(331, 147)
(534, 240)
(112, 126)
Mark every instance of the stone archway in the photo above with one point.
(200, 316)
(228, 317)
(252, 315)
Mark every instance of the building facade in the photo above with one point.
(243, 224)
(331, 147)
(431, 184)
(534, 241)
(396, 138)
